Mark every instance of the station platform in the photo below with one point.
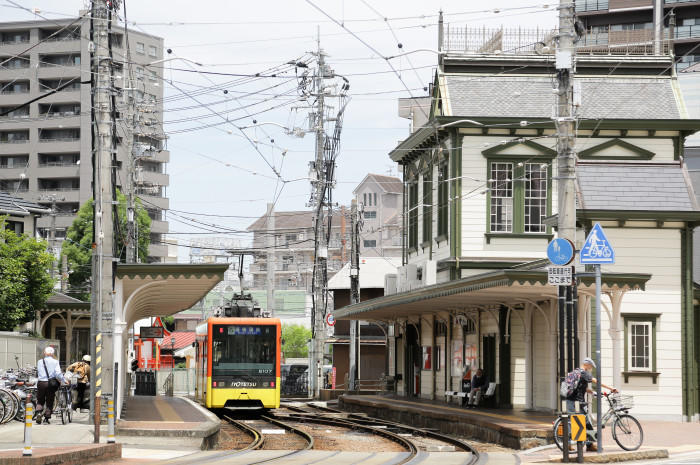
(516, 429)
(168, 417)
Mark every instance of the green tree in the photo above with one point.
(25, 282)
(78, 246)
(295, 338)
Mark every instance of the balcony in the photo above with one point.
(14, 87)
(59, 110)
(14, 63)
(590, 5)
(14, 137)
(14, 185)
(58, 35)
(49, 85)
(59, 185)
(50, 160)
(16, 114)
(46, 61)
(59, 135)
(14, 162)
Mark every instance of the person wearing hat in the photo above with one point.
(579, 395)
(50, 378)
(82, 371)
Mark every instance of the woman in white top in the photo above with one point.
(47, 368)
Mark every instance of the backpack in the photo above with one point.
(569, 385)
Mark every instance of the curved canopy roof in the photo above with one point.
(164, 289)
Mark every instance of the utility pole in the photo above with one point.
(565, 120)
(64, 273)
(131, 148)
(658, 26)
(103, 161)
(318, 202)
(270, 254)
(355, 227)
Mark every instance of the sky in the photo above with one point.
(217, 176)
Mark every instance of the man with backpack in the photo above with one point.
(575, 388)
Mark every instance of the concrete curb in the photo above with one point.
(619, 456)
(207, 430)
(77, 455)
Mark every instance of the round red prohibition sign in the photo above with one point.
(330, 319)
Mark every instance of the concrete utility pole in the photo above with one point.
(318, 202)
(131, 119)
(52, 236)
(565, 120)
(64, 273)
(103, 160)
(270, 217)
(658, 26)
(355, 226)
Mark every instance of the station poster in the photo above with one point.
(457, 361)
(427, 358)
(470, 359)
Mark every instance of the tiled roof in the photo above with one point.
(59, 298)
(182, 339)
(11, 204)
(516, 96)
(285, 220)
(388, 183)
(633, 187)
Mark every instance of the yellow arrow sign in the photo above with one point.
(578, 427)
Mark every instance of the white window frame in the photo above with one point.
(630, 358)
(141, 48)
(153, 51)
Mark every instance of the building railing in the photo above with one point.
(542, 41)
(12, 92)
(687, 32)
(14, 42)
(60, 139)
(680, 1)
(590, 5)
(14, 141)
(59, 189)
(47, 164)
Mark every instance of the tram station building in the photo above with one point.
(480, 208)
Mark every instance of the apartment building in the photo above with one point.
(632, 21)
(45, 147)
(380, 197)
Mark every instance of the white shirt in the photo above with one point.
(52, 369)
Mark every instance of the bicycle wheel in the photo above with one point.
(2, 410)
(627, 432)
(558, 433)
(61, 406)
(8, 405)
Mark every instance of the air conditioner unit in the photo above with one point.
(407, 276)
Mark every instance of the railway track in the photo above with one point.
(414, 439)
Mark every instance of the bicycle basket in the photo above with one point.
(622, 401)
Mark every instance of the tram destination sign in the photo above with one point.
(560, 275)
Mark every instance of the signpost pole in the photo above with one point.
(599, 402)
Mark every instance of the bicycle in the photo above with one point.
(64, 403)
(626, 429)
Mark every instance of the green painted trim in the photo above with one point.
(427, 207)
(492, 279)
(642, 154)
(460, 143)
(168, 270)
(689, 330)
(546, 151)
(490, 236)
(641, 374)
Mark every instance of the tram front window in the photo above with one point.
(244, 351)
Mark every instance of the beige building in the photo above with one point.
(380, 197)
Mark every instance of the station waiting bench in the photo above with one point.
(486, 400)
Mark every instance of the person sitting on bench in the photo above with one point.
(480, 383)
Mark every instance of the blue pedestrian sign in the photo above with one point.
(560, 252)
(597, 250)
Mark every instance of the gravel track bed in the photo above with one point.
(345, 439)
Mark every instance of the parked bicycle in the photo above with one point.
(63, 405)
(626, 429)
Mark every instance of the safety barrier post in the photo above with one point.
(28, 414)
(565, 437)
(110, 420)
(579, 452)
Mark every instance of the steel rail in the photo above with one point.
(368, 421)
(292, 429)
(258, 438)
(407, 444)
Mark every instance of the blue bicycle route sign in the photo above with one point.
(560, 252)
(597, 250)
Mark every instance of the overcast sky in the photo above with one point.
(249, 37)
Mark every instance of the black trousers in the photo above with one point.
(80, 387)
(45, 396)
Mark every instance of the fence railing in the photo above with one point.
(483, 40)
(590, 5)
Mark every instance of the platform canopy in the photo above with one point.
(161, 289)
(503, 287)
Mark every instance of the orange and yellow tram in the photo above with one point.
(238, 363)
